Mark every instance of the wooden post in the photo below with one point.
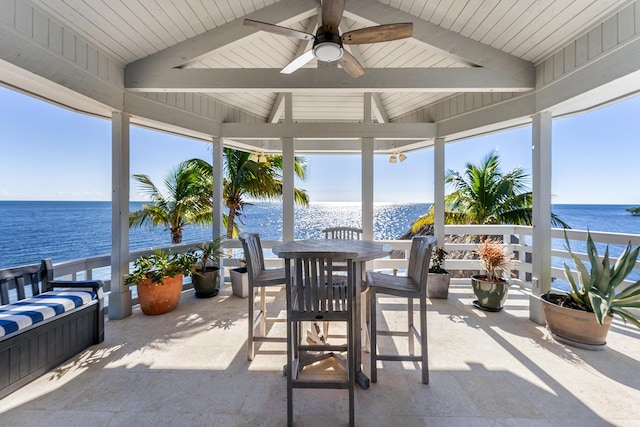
(120, 298)
(288, 175)
(367, 196)
(438, 191)
(541, 268)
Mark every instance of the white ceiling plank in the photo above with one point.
(447, 42)
(193, 49)
(375, 80)
(476, 19)
(93, 28)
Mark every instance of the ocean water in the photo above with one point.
(32, 230)
(63, 231)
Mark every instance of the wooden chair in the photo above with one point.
(414, 285)
(344, 233)
(315, 293)
(259, 278)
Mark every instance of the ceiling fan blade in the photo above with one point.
(380, 33)
(332, 11)
(276, 29)
(298, 62)
(351, 65)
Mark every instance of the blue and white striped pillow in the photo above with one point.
(22, 314)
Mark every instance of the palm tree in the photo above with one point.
(484, 195)
(186, 200)
(244, 177)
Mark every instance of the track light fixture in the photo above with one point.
(259, 157)
(397, 156)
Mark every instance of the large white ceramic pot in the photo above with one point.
(438, 285)
(575, 327)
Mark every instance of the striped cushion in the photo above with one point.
(22, 314)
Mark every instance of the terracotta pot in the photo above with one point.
(577, 327)
(491, 295)
(159, 298)
(438, 285)
(206, 283)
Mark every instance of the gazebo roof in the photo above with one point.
(193, 68)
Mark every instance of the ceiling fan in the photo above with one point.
(328, 44)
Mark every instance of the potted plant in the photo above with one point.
(158, 277)
(206, 274)
(491, 289)
(439, 278)
(583, 316)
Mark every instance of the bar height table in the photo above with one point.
(367, 250)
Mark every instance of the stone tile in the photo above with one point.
(189, 367)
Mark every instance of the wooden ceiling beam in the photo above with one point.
(320, 80)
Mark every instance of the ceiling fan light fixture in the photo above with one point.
(327, 51)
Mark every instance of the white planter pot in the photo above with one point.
(438, 285)
(240, 282)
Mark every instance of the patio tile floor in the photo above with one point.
(189, 368)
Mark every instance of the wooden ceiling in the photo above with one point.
(458, 45)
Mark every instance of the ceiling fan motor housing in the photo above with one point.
(327, 46)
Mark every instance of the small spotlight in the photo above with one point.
(402, 157)
(393, 158)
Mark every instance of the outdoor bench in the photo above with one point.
(44, 322)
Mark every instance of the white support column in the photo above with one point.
(218, 182)
(438, 190)
(217, 226)
(288, 175)
(288, 154)
(367, 175)
(541, 151)
(120, 297)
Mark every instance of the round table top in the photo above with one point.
(366, 250)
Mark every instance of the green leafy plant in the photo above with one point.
(437, 261)
(208, 251)
(596, 288)
(634, 211)
(495, 259)
(160, 264)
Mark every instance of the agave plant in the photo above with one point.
(595, 289)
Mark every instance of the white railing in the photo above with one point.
(518, 240)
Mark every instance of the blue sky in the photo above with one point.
(50, 153)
